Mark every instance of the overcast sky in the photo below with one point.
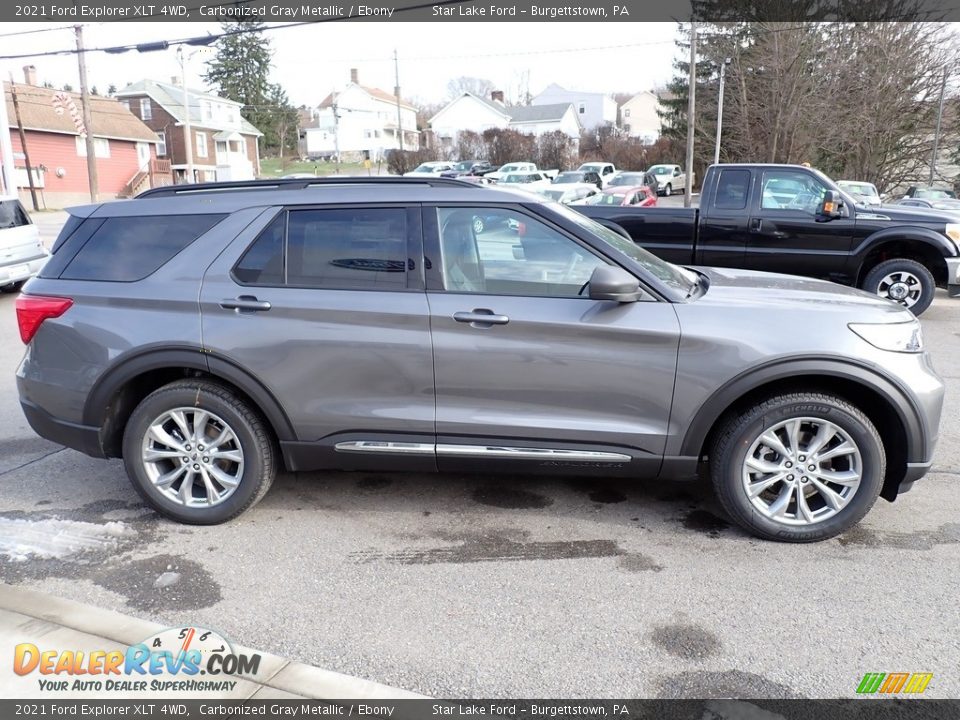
(310, 61)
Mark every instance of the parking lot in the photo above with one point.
(475, 586)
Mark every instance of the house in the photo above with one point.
(224, 145)
(359, 122)
(639, 118)
(593, 109)
(542, 119)
(123, 146)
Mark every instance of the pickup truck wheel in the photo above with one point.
(668, 190)
(904, 281)
(197, 453)
(798, 468)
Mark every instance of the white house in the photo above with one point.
(639, 119)
(593, 109)
(469, 112)
(541, 119)
(359, 122)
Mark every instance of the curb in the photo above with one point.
(42, 614)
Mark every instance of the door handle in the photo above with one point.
(481, 318)
(756, 224)
(245, 303)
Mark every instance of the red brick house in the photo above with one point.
(124, 148)
(225, 146)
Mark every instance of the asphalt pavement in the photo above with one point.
(482, 586)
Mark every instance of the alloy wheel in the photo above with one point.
(902, 287)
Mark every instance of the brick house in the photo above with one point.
(225, 146)
(124, 147)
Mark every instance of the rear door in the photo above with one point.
(530, 373)
(325, 308)
(722, 234)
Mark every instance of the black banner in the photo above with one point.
(879, 709)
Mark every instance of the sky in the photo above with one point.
(310, 61)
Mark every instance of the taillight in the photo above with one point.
(32, 310)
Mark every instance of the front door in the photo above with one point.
(529, 371)
(143, 156)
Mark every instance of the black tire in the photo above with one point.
(915, 275)
(12, 287)
(251, 432)
(737, 435)
(668, 190)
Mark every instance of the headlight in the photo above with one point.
(896, 337)
(953, 232)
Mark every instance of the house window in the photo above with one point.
(201, 144)
(161, 143)
(101, 147)
(221, 148)
(626, 113)
(582, 108)
(125, 103)
(146, 109)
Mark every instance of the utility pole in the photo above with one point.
(87, 120)
(716, 148)
(23, 144)
(336, 134)
(396, 91)
(936, 136)
(7, 177)
(187, 132)
(691, 106)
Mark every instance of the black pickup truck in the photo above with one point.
(795, 220)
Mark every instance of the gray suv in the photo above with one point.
(212, 335)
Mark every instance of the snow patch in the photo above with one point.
(53, 538)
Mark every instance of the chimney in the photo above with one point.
(175, 80)
(497, 96)
(30, 74)
(354, 76)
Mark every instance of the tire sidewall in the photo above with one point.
(166, 399)
(871, 454)
(668, 190)
(928, 284)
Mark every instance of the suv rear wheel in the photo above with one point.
(904, 281)
(798, 468)
(197, 453)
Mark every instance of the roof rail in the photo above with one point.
(298, 184)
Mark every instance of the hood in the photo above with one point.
(772, 291)
(906, 214)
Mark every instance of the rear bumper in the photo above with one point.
(84, 438)
(20, 270)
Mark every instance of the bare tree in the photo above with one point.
(481, 87)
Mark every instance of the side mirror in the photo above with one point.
(613, 283)
(830, 207)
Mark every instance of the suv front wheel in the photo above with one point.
(197, 453)
(798, 468)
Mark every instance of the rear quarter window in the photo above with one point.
(126, 249)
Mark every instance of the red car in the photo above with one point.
(637, 196)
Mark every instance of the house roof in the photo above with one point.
(108, 117)
(538, 113)
(373, 92)
(495, 106)
(170, 98)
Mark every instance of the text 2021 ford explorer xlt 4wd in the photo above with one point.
(211, 335)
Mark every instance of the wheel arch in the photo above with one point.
(925, 246)
(116, 394)
(899, 423)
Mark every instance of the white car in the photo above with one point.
(670, 179)
(606, 171)
(518, 167)
(863, 192)
(21, 251)
(430, 169)
(526, 180)
(567, 193)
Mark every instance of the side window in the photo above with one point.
(514, 254)
(12, 214)
(358, 248)
(790, 190)
(262, 263)
(733, 188)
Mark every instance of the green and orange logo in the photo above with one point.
(894, 683)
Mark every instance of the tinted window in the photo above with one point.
(12, 214)
(125, 249)
(362, 248)
(262, 263)
(732, 189)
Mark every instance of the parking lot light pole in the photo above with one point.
(188, 139)
(691, 117)
(716, 148)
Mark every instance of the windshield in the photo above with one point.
(568, 177)
(463, 166)
(628, 179)
(611, 199)
(865, 189)
(674, 276)
(661, 170)
(12, 215)
(517, 178)
(509, 168)
(591, 167)
(934, 194)
(427, 168)
(553, 194)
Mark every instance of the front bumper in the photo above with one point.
(953, 276)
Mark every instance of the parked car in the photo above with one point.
(575, 176)
(670, 179)
(567, 193)
(21, 251)
(526, 180)
(945, 204)
(361, 324)
(863, 192)
(793, 219)
(606, 171)
(620, 196)
(513, 167)
(632, 179)
(467, 168)
(930, 193)
(430, 169)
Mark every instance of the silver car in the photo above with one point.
(213, 335)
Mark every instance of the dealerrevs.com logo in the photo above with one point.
(189, 659)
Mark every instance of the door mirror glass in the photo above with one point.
(613, 283)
